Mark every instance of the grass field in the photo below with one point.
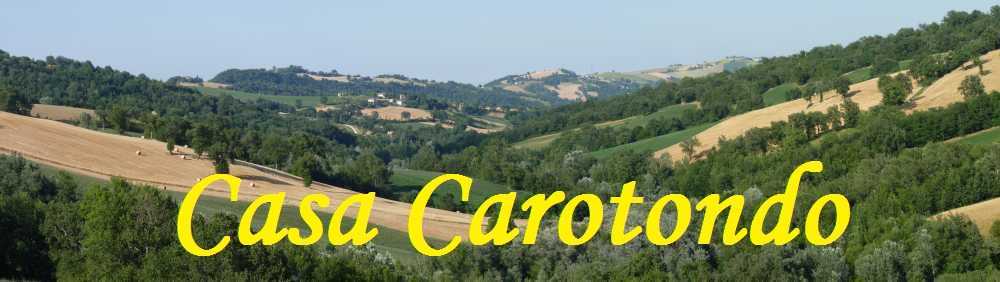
(647, 146)
(406, 180)
(673, 111)
(395, 242)
(988, 136)
(859, 75)
(538, 142)
(667, 112)
(307, 101)
(777, 95)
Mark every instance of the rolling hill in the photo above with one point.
(103, 155)
(570, 86)
(298, 81)
(630, 122)
(942, 92)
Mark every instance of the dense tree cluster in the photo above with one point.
(55, 229)
(13, 101)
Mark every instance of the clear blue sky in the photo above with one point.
(467, 41)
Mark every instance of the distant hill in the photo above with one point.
(566, 85)
(298, 81)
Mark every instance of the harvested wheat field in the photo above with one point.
(983, 214)
(941, 93)
(396, 113)
(543, 73)
(60, 113)
(865, 93)
(944, 91)
(104, 155)
(568, 91)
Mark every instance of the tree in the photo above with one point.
(972, 86)
(978, 63)
(842, 85)
(884, 65)
(885, 263)
(426, 159)
(298, 103)
(23, 249)
(852, 113)
(87, 121)
(894, 89)
(922, 267)
(793, 94)
(689, 146)
(405, 115)
(305, 166)
(368, 171)
(324, 100)
(118, 116)
(995, 230)
(811, 90)
(220, 163)
(170, 147)
(14, 102)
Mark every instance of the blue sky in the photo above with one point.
(467, 41)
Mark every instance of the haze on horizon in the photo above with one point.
(466, 41)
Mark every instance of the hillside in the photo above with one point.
(103, 155)
(680, 71)
(673, 111)
(569, 86)
(298, 81)
(564, 85)
(942, 92)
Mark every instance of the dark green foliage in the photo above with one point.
(125, 232)
(842, 86)
(22, 246)
(13, 101)
(895, 89)
(368, 171)
(884, 65)
(793, 94)
(972, 86)
(995, 230)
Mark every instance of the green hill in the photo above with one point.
(672, 111)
